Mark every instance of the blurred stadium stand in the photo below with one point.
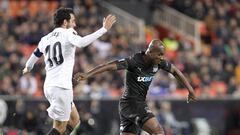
(202, 39)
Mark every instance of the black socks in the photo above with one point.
(69, 129)
(53, 131)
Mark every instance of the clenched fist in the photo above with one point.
(80, 77)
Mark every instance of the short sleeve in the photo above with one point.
(125, 63)
(165, 65)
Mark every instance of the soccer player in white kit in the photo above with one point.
(58, 48)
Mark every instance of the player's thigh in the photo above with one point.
(74, 117)
(153, 127)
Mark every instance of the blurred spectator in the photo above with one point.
(7, 88)
(20, 108)
(30, 122)
(43, 121)
(170, 123)
(28, 85)
(87, 123)
(232, 121)
(200, 127)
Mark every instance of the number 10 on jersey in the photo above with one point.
(56, 58)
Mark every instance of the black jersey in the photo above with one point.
(139, 76)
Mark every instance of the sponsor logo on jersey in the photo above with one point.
(144, 79)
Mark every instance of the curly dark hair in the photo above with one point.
(60, 15)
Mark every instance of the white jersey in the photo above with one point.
(58, 48)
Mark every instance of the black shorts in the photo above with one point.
(133, 114)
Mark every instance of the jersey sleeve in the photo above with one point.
(165, 65)
(79, 41)
(35, 56)
(126, 63)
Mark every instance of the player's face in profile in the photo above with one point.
(71, 23)
(158, 55)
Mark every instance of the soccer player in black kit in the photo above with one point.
(140, 69)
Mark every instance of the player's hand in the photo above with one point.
(191, 96)
(109, 21)
(25, 70)
(80, 77)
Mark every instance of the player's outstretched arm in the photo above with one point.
(111, 66)
(180, 77)
(86, 40)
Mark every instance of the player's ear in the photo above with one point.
(150, 53)
(65, 22)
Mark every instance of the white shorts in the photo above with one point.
(61, 102)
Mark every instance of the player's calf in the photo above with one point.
(74, 117)
(153, 127)
(73, 121)
(68, 130)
